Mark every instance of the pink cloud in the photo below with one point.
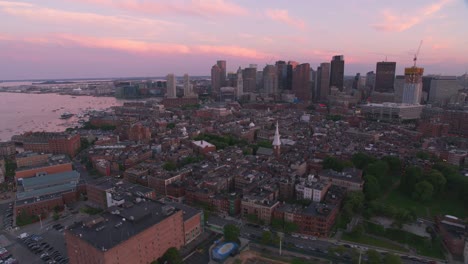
(282, 15)
(38, 13)
(234, 51)
(401, 22)
(140, 47)
(202, 8)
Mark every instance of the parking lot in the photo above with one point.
(7, 215)
(47, 247)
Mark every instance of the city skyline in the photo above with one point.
(104, 38)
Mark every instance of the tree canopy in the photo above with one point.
(231, 233)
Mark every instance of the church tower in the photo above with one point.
(277, 142)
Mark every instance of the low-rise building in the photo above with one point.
(53, 164)
(316, 219)
(41, 195)
(350, 178)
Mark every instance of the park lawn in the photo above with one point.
(445, 204)
(424, 246)
(368, 240)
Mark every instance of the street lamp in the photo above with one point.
(281, 236)
(40, 220)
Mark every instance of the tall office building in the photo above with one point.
(442, 88)
(222, 66)
(281, 72)
(215, 79)
(270, 79)
(323, 82)
(301, 82)
(412, 90)
(188, 87)
(385, 77)
(240, 83)
(337, 72)
(249, 77)
(399, 85)
(171, 86)
(289, 74)
(370, 81)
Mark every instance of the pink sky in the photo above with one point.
(117, 38)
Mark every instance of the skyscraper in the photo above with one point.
(215, 79)
(412, 90)
(301, 82)
(240, 83)
(249, 76)
(171, 86)
(323, 82)
(270, 79)
(289, 74)
(188, 88)
(385, 77)
(337, 72)
(222, 66)
(281, 68)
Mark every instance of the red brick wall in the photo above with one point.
(96, 196)
(192, 228)
(79, 251)
(41, 207)
(49, 169)
(144, 247)
(32, 160)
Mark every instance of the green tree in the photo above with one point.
(412, 176)
(358, 231)
(423, 191)
(332, 163)
(172, 255)
(231, 233)
(170, 166)
(267, 237)
(394, 163)
(373, 257)
(361, 160)
(379, 169)
(371, 188)
(170, 126)
(423, 155)
(392, 259)
(438, 181)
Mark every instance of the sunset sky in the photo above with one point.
(125, 38)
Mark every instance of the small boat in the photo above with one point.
(66, 115)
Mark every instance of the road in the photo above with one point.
(317, 248)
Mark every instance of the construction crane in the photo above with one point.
(417, 53)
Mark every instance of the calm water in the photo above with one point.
(41, 112)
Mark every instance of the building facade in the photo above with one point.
(385, 77)
(337, 72)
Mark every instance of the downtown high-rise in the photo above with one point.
(385, 77)
(171, 86)
(412, 89)
(337, 72)
(301, 86)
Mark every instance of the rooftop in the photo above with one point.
(122, 223)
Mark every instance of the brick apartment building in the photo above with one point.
(31, 159)
(53, 164)
(136, 231)
(51, 142)
(316, 219)
(107, 192)
(41, 195)
(350, 178)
